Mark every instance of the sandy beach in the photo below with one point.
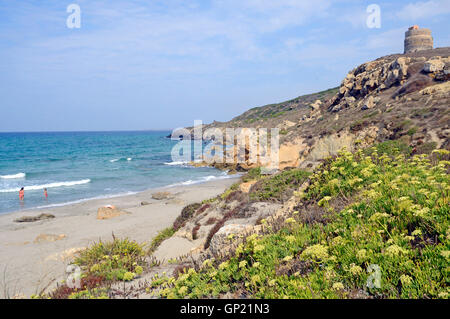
(34, 255)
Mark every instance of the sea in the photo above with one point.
(78, 166)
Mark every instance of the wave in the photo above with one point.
(176, 163)
(121, 159)
(205, 179)
(50, 185)
(85, 200)
(15, 176)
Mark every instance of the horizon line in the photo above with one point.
(88, 131)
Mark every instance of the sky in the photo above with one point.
(161, 64)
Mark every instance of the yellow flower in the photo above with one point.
(324, 200)
(422, 212)
(315, 252)
(443, 295)
(207, 263)
(242, 264)
(361, 255)
(223, 265)
(338, 240)
(406, 280)
(256, 265)
(290, 220)
(256, 279)
(287, 258)
(395, 250)
(445, 253)
(290, 238)
(258, 248)
(417, 232)
(182, 290)
(338, 286)
(355, 270)
(239, 249)
(378, 216)
(272, 282)
(138, 270)
(128, 276)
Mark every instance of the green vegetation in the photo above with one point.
(252, 174)
(386, 214)
(426, 148)
(120, 259)
(412, 131)
(162, 235)
(275, 188)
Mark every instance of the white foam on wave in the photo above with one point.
(86, 200)
(14, 176)
(121, 159)
(50, 185)
(204, 179)
(175, 163)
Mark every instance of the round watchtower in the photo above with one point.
(417, 39)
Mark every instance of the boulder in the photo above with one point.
(162, 195)
(245, 187)
(48, 238)
(369, 103)
(316, 105)
(221, 242)
(30, 219)
(109, 212)
(144, 203)
(432, 66)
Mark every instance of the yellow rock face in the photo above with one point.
(245, 187)
(109, 212)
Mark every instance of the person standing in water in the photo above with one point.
(45, 193)
(22, 194)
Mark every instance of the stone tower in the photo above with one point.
(417, 39)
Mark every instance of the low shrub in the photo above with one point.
(113, 260)
(279, 187)
(162, 235)
(185, 215)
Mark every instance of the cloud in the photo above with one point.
(424, 10)
(159, 37)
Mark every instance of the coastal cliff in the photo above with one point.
(401, 96)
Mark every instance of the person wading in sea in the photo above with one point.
(21, 194)
(45, 193)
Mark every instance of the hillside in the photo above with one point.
(402, 96)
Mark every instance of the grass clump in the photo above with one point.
(162, 236)
(390, 239)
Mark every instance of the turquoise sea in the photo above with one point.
(76, 166)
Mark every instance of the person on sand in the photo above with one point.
(45, 193)
(22, 194)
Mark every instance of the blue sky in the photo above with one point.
(160, 64)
